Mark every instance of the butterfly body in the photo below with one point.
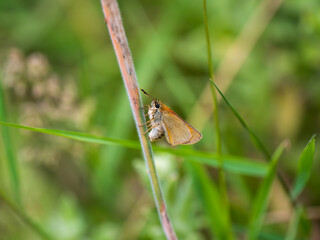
(155, 115)
(156, 133)
(165, 122)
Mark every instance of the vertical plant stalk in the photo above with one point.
(223, 185)
(113, 19)
(12, 162)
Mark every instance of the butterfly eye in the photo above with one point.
(157, 105)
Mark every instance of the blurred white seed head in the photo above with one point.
(13, 68)
(37, 67)
(44, 99)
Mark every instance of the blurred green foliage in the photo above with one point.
(59, 71)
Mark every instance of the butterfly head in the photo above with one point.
(155, 110)
(156, 104)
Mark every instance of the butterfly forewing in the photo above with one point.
(177, 131)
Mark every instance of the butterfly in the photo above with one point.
(165, 122)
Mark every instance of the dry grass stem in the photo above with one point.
(113, 19)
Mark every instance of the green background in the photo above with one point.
(59, 71)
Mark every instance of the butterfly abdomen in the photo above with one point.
(156, 133)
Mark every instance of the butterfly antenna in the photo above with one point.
(145, 93)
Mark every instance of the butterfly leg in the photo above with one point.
(147, 123)
(151, 128)
(144, 107)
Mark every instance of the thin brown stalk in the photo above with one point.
(113, 19)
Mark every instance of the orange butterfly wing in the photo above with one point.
(177, 131)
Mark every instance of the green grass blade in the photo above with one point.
(304, 168)
(294, 224)
(78, 136)
(263, 235)
(255, 140)
(261, 200)
(222, 179)
(210, 199)
(25, 218)
(252, 134)
(8, 147)
(233, 164)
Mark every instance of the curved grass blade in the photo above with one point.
(252, 134)
(262, 198)
(304, 168)
(263, 235)
(233, 164)
(257, 142)
(11, 158)
(83, 137)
